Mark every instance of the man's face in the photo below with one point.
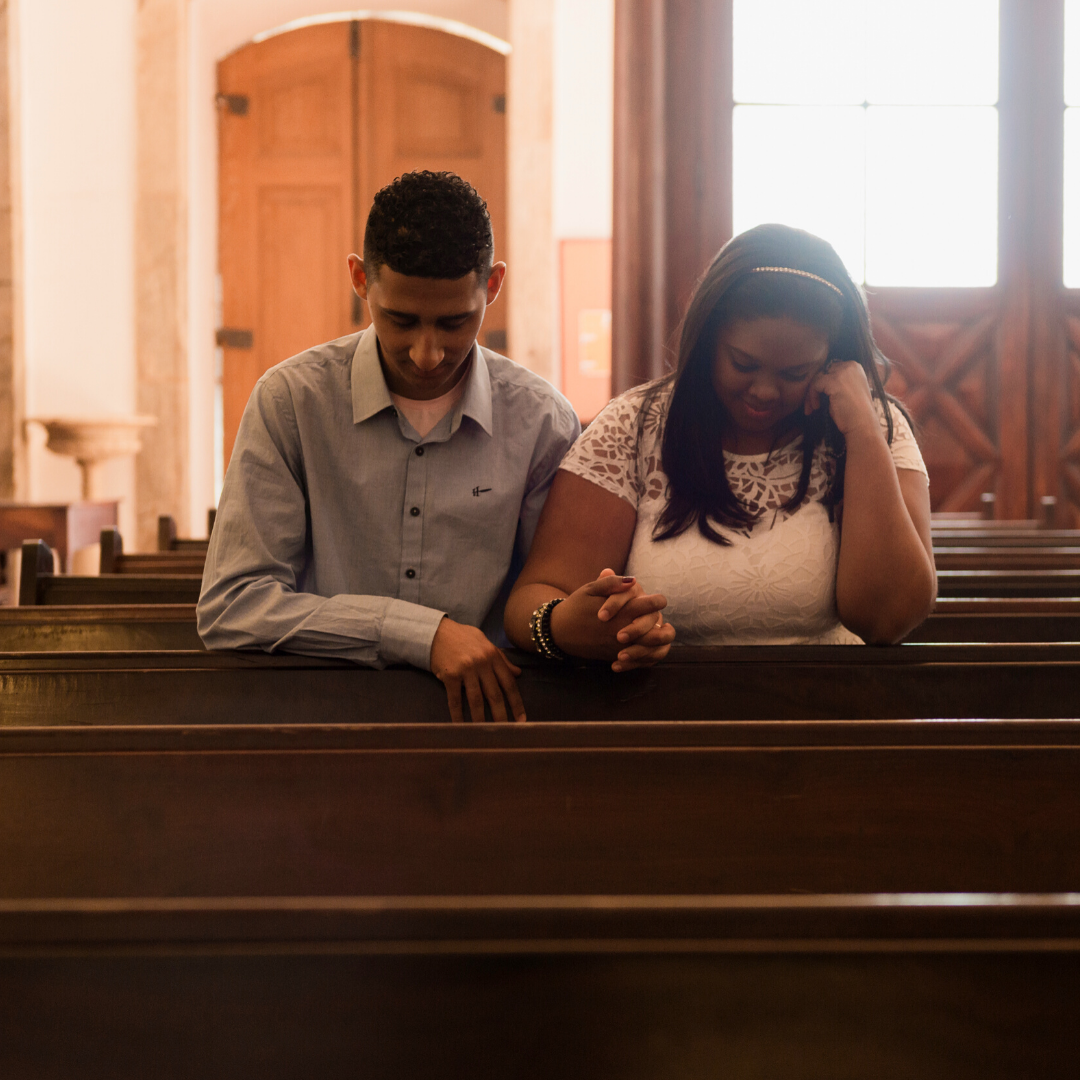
(426, 326)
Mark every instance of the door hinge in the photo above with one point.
(229, 338)
(498, 103)
(354, 38)
(237, 104)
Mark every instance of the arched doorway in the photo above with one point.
(312, 123)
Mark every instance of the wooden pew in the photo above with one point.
(824, 899)
(1009, 583)
(127, 628)
(958, 620)
(115, 561)
(169, 541)
(1006, 538)
(38, 585)
(1007, 558)
(750, 683)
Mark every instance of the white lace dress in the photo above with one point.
(776, 583)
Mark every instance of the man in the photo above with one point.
(382, 484)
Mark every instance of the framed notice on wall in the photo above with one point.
(585, 303)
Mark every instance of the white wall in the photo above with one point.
(77, 157)
(583, 92)
(77, 117)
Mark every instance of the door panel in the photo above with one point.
(286, 202)
(1068, 507)
(430, 100)
(945, 352)
(331, 114)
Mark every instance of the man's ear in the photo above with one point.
(358, 276)
(495, 281)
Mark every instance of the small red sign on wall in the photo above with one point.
(585, 302)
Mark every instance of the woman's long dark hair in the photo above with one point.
(692, 452)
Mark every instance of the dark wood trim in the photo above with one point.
(638, 267)
(672, 197)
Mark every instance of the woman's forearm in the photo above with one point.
(885, 581)
(523, 601)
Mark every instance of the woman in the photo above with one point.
(768, 488)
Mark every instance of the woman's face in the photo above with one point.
(762, 370)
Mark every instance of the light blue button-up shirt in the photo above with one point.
(341, 532)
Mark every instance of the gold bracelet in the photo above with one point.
(540, 627)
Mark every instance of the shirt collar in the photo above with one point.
(370, 394)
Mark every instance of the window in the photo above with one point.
(891, 153)
(1072, 144)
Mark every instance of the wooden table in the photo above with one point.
(65, 527)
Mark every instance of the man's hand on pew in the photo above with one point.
(462, 658)
(613, 618)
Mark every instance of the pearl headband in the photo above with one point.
(801, 273)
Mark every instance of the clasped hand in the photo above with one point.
(613, 618)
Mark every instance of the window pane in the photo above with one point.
(1072, 199)
(802, 166)
(932, 52)
(931, 203)
(1072, 52)
(799, 53)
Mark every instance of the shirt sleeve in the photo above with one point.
(251, 592)
(606, 454)
(905, 450)
(557, 435)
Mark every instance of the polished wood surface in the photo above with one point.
(1011, 626)
(168, 540)
(125, 628)
(662, 895)
(1024, 583)
(39, 586)
(746, 683)
(545, 810)
(114, 560)
(758, 995)
(65, 527)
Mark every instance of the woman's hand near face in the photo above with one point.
(847, 389)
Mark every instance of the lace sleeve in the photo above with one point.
(905, 450)
(606, 453)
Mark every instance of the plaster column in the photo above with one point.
(531, 248)
(161, 233)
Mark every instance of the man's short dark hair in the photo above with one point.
(431, 225)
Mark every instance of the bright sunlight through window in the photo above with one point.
(1071, 269)
(874, 125)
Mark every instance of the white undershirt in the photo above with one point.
(424, 415)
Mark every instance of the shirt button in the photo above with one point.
(415, 511)
(419, 451)
(410, 573)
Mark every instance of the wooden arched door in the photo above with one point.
(312, 123)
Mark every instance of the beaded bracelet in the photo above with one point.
(540, 626)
